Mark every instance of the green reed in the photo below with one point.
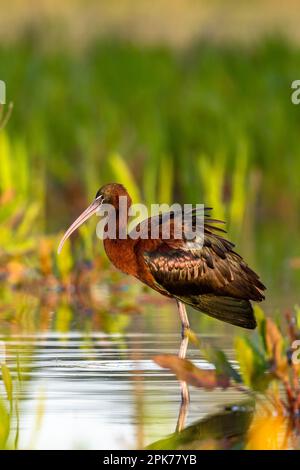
(211, 124)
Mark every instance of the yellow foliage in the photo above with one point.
(15, 271)
(63, 318)
(245, 357)
(6, 180)
(45, 256)
(65, 261)
(124, 176)
(268, 431)
(212, 174)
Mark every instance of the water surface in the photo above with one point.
(102, 390)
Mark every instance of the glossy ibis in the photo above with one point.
(209, 276)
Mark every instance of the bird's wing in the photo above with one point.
(192, 268)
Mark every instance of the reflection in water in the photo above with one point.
(226, 429)
(94, 372)
(96, 391)
(184, 406)
(89, 381)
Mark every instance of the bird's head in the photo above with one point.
(111, 193)
(107, 194)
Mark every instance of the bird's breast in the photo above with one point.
(127, 256)
(121, 254)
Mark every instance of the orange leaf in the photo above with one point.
(188, 372)
(16, 271)
(45, 256)
(274, 344)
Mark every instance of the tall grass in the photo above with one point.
(210, 124)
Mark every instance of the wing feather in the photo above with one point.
(188, 268)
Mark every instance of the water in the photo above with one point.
(88, 376)
(96, 389)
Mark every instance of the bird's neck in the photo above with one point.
(120, 247)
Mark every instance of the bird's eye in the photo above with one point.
(98, 194)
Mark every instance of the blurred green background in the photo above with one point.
(180, 101)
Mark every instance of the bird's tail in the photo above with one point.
(238, 312)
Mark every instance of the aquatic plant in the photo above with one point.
(268, 363)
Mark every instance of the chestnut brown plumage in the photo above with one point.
(209, 276)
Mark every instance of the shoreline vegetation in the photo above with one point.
(204, 121)
(159, 123)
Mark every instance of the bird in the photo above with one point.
(204, 273)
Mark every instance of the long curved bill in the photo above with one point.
(91, 210)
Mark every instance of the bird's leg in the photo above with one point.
(185, 396)
(185, 325)
(184, 407)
